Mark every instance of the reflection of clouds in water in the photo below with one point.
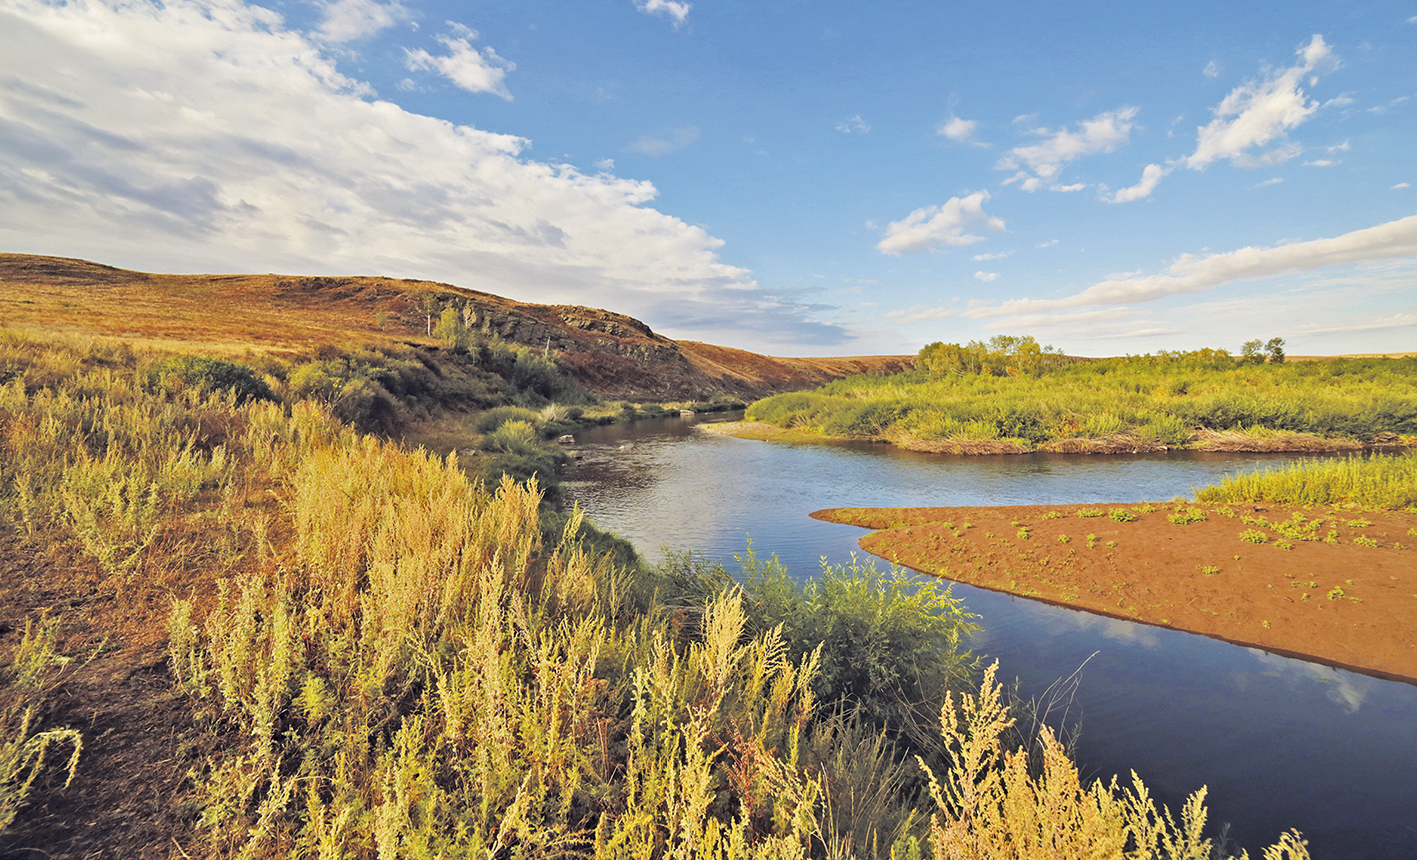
(1348, 689)
(1057, 620)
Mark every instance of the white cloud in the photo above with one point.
(1150, 177)
(1322, 162)
(605, 165)
(853, 123)
(945, 224)
(981, 258)
(206, 136)
(348, 20)
(918, 313)
(1045, 160)
(1342, 147)
(1273, 180)
(1401, 185)
(1191, 274)
(1211, 70)
(1258, 113)
(678, 12)
(467, 67)
(960, 130)
(986, 277)
(1381, 324)
(664, 142)
(1050, 243)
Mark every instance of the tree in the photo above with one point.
(1252, 352)
(451, 330)
(1275, 348)
(430, 305)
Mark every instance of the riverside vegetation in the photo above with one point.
(381, 655)
(1012, 395)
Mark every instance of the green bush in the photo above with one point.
(211, 374)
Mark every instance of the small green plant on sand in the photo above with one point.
(1254, 536)
(1122, 515)
(1091, 512)
(1063, 538)
(1187, 516)
(1208, 569)
(1364, 540)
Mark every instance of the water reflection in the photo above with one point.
(1281, 743)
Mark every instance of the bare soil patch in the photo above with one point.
(1329, 585)
(133, 794)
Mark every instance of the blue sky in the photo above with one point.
(793, 178)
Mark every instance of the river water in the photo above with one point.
(1279, 742)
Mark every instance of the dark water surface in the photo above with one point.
(1279, 742)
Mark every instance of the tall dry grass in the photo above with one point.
(402, 665)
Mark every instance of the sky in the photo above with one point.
(793, 178)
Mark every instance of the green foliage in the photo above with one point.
(1254, 536)
(1004, 355)
(207, 374)
(1372, 481)
(1185, 516)
(1121, 515)
(1170, 399)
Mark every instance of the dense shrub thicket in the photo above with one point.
(1171, 400)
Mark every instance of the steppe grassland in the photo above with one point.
(401, 665)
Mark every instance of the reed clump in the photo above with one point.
(1371, 481)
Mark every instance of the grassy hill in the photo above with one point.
(612, 355)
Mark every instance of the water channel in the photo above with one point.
(1280, 742)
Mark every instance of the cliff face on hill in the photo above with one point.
(611, 354)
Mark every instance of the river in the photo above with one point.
(1279, 742)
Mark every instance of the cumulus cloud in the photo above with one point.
(1211, 70)
(959, 130)
(675, 11)
(348, 20)
(207, 136)
(1258, 113)
(1190, 274)
(945, 224)
(1038, 166)
(467, 67)
(1150, 177)
(664, 142)
(986, 277)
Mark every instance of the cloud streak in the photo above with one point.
(1038, 166)
(1190, 274)
(1259, 113)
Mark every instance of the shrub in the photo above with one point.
(211, 374)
